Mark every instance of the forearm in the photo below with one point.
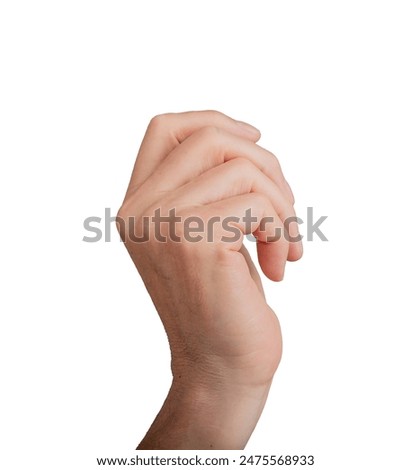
(206, 417)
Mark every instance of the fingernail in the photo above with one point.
(248, 127)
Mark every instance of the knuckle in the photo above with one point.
(244, 165)
(261, 200)
(121, 212)
(213, 114)
(212, 138)
(210, 133)
(275, 162)
(122, 222)
(159, 121)
(124, 212)
(274, 166)
(270, 166)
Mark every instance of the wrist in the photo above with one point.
(206, 415)
(225, 414)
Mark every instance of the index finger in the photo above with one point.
(166, 131)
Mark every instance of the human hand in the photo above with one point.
(225, 340)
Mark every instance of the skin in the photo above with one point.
(225, 340)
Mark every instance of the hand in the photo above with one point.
(225, 340)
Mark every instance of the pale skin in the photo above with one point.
(224, 338)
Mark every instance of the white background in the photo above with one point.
(84, 359)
